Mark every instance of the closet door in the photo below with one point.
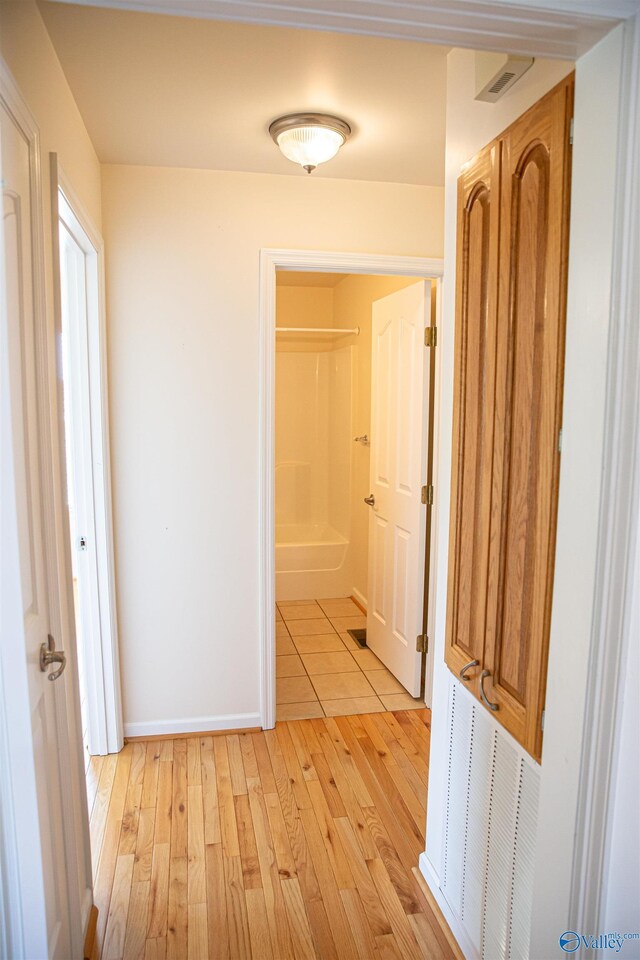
(475, 338)
(534, 204)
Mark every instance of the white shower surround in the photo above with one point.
(314, 396)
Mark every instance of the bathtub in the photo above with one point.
(311, 562)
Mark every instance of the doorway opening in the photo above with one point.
(83, 374)
(351, 486)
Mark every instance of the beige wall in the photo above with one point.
(28, 52)
(183, 249)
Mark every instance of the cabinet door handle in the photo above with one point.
(487, 703)
(467, 666)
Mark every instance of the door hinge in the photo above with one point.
(542, 720)
(560, 440)
(430, 336)
(571, 131)
(422, 643)
(426, 495)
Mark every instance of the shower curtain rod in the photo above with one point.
(355, 330)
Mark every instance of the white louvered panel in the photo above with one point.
(460, 712)
(490, 830)
(524, 860)
(475, 853)
(500, 842)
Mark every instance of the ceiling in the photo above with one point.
(550, 28)
(185, 92)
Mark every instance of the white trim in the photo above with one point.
(155, 728)
(101, 655)
(618, 513)
(457, 929)
(360, 597)
(547, 28)
(305, 261)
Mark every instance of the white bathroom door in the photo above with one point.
(397, 522)
(35, 796)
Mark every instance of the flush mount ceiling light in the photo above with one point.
(309, 138)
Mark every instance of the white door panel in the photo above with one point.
(399, 388)
(36, 783)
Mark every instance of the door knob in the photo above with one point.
(370, 500)
(49, 655)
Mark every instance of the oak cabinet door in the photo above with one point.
(475, 339)
(534, 222)
(512, 236)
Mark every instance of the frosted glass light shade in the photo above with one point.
(309, 139)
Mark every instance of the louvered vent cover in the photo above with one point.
(490, 830)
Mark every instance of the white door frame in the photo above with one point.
(316, 262)
(101, 657)
(21, 894)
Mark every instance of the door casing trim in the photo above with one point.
(317, 262)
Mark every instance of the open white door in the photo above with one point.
(38, 918)
(399, 421)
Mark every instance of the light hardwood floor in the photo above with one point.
(297, 842)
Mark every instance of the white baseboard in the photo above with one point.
(156, 728)
(455, 926)
(360, 597)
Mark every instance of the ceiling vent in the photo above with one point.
(497, 72)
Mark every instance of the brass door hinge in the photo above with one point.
(430, 336)
(422, 643)
(426, 495)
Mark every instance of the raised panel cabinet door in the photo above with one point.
(473, 416)
(534, 202)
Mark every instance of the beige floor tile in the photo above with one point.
(349, 642)
(319, 643)
(340, 608)
(308, 710)
(281, 630)
(401, 701)
(294, 690)
(367, 660)
(351, 705)
(305, 628)
(284, 646)
(384, 682)
(337, 686)
(289, 666)
(342, 624)
(301, 611)
(315, 663)
(292, 603)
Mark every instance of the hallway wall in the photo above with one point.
(182, 275)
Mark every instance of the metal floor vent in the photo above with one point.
(490, 832)
(360, 637)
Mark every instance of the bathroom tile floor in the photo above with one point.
(322, 672)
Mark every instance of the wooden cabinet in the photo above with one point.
(513, 214)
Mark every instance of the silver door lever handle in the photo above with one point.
(370, 500)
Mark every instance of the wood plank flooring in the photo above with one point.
(297, 842)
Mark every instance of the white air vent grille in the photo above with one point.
(509, 70)
(490, 830)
